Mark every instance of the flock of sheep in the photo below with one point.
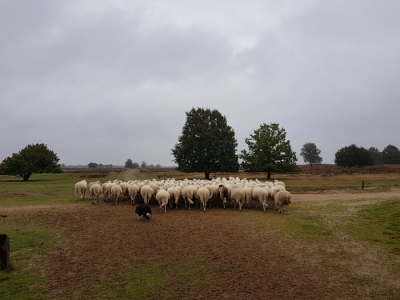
(218, 191)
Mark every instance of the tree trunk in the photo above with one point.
(207, 175)
(268, 175)
(26, 176)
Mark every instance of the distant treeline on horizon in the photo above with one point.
(111, 166)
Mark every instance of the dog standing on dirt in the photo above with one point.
(143, 211)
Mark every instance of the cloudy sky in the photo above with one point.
(105, 81)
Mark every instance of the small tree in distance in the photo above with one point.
(269, 151)
(143, 164)
(92, 165)
(34, 158)
(129, 164)
(311, 154)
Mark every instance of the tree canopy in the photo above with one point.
(376, 155)
(207, 144)
(129, 164)
(34, 158)
(311, 154)
(353, 156)
(391, 155)
(269, 151)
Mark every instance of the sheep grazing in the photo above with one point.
(282, 198)
(146, 192)
(203, 194)
(94, 191)
(188, 194)
(174, 195)
(162, 197)
(144, 211)
(273, 191)
(237, 196)
(260, 195)
(80, 189)
(133, 190)
(125, 189)
(116, 193)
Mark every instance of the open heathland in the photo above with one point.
(336, 241)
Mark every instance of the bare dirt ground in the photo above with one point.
(235, 260)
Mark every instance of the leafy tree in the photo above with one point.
(129, 164)
(376, 155)
(269, 151)
(34, 158)
(135, 166)
(207, 144)
(310, 154)
(391, 155)
(353, 156)
(92, 165)
(143, 164)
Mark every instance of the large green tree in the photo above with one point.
(353, 156)
(269, 151)
(207, 144)
(391, 155)
(34, 158)
(311, 154)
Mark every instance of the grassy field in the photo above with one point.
(373, 221)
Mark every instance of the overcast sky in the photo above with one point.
(107, 81)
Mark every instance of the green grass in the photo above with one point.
(379, 223)
(22, 280)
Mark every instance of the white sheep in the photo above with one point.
(282, 198)
(133, 190)
(94, 191)
(93, 182)
(272, 191)
(203, 194)
(247, 195)
(214, 192)
(107, 190)
(80, 188)
(125, 189)
(188, 193)
(237, 196)
(174, 194)
(116, 192)
(162, 197)
(146, 192)
(260, 195)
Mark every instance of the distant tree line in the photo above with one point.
(93, 165)
(208, 144)
(354, 156)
